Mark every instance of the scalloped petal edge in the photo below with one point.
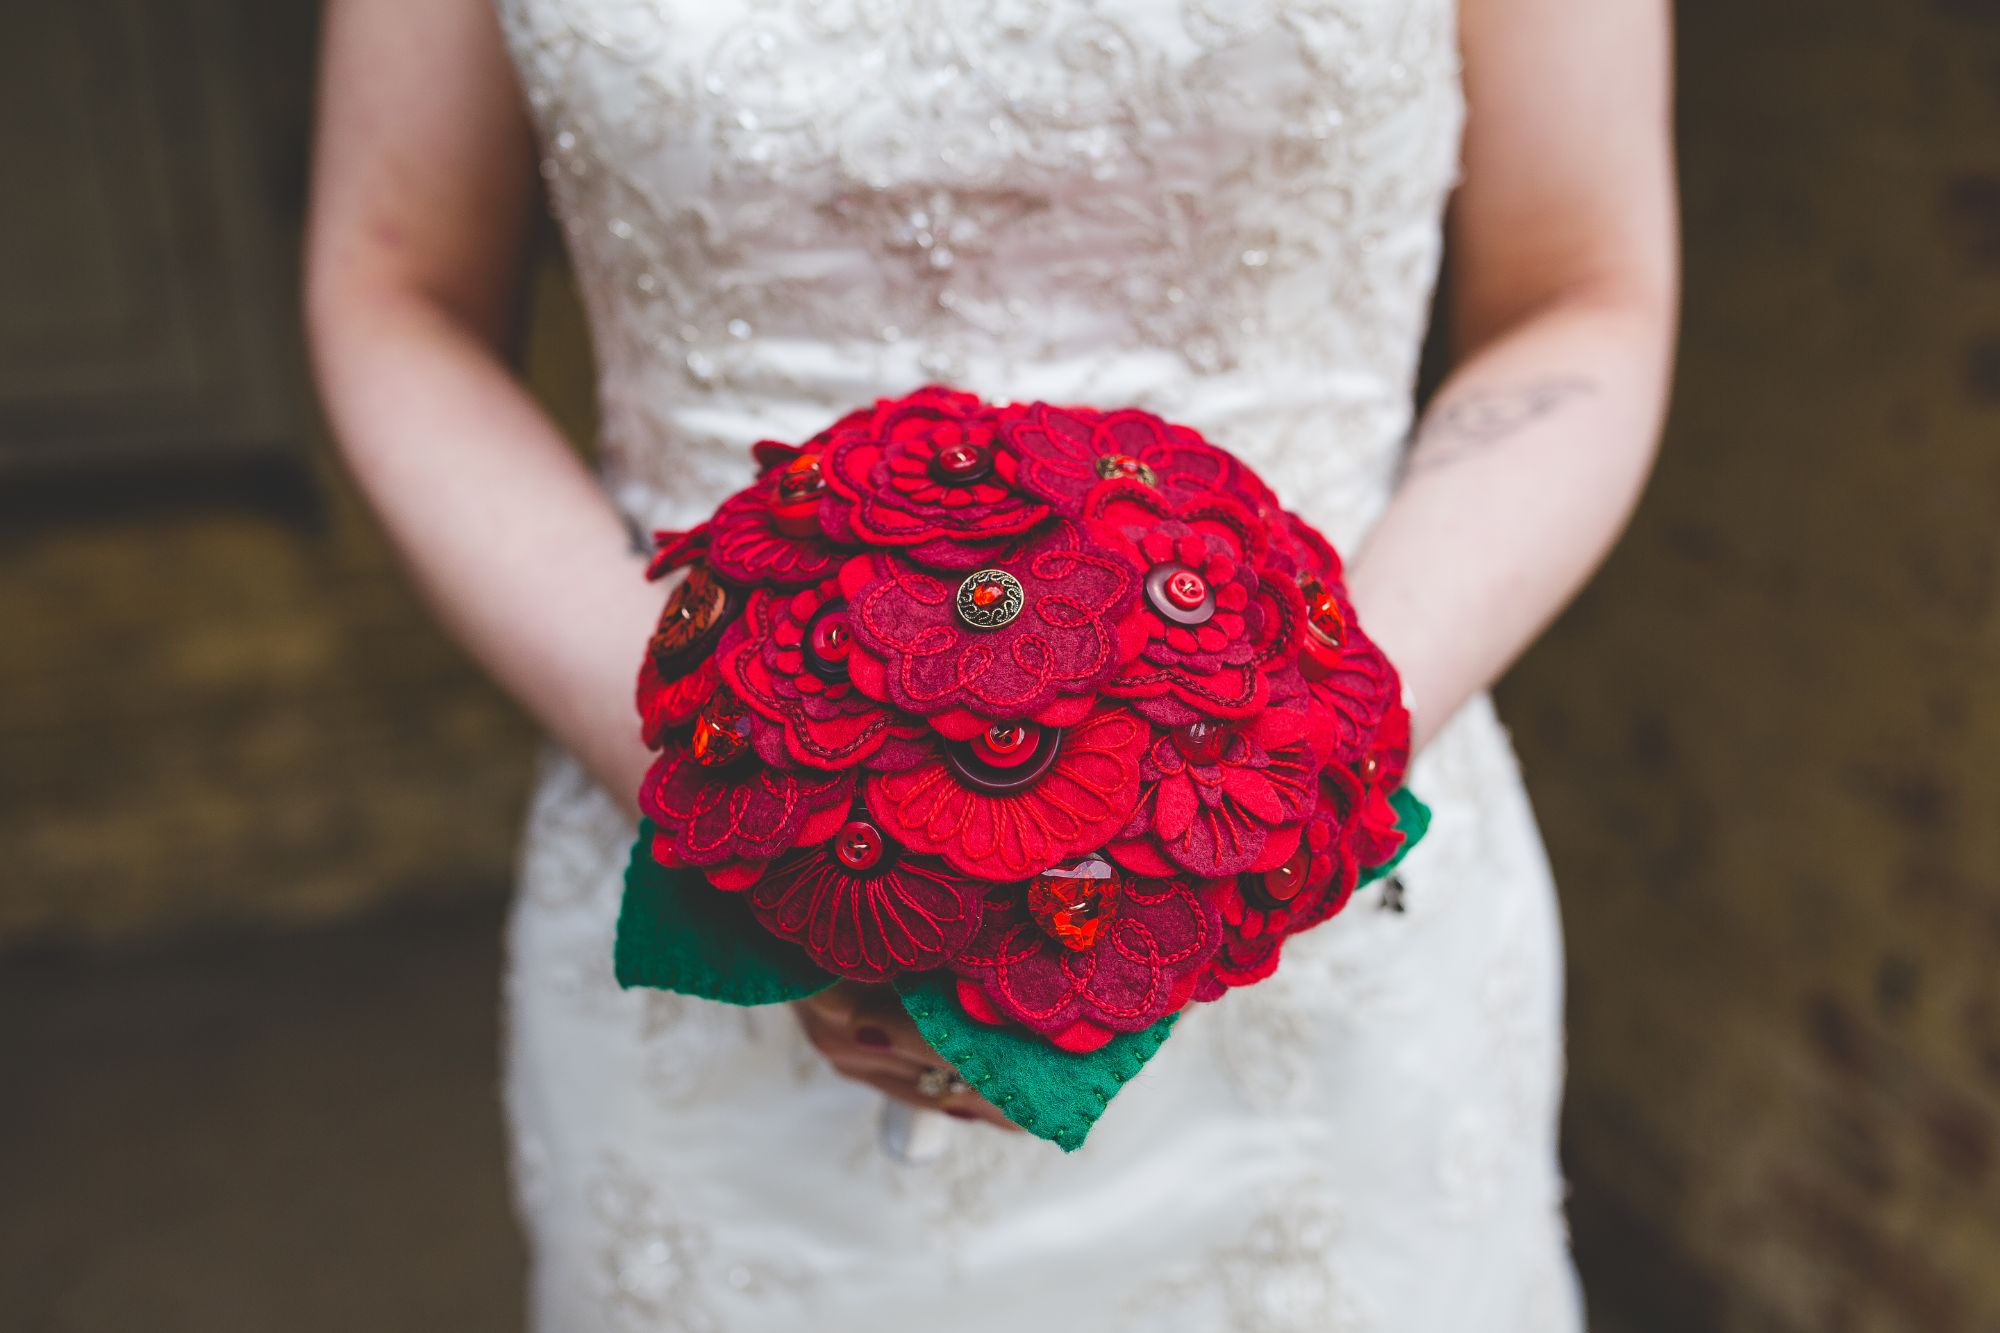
(677, 932)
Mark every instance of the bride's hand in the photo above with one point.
(865, 1035)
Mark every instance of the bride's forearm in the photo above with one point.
(507, 533)
(1521, 476)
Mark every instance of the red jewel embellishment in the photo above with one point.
(1202, 742)
(1124, 465)
(722, 732)
(795, 497)
(1074, 904)
(990, 598)
(1285, 883)
(1326, 627)
(858, 845)
(961, 464)
(1007, 744)
(1370, 767)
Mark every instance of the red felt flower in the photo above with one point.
(1085, 796)
(1223, 799)
(706, 815)
(914, 647)
(1349, 699)
(787, 658)
(1211, 621)
(930, 474)
(767, 536)
(1065, 451)
(1141, 965)
(867, 917)
(1375, 833)
(1258, 911)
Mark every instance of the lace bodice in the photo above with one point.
(1223, 210)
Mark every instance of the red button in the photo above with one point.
(962, 462)
(1007, 744)
(1286, 882)
(858, 845)
(1186, 590)
(831, 639)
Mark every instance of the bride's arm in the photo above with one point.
(423, 184)
(1564, 292)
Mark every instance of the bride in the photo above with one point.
(1229, 212)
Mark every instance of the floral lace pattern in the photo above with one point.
(1222, 211)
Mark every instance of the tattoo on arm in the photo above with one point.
(1473, 421)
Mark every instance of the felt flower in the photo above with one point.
(1073, 802)
(768, 534)
(1211, 621)
(927, 473)
(708, 814)
(1375, 833)
(1298, 548)
(1222, 799)
(1152, 940)
(1349, 696)
(862, 910)
(915, 647)
(1259, 910)
(1065, 451)
(787, 659)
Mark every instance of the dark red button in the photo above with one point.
(961, 463)
(858, 845)
(830, 637)
(1186, 590)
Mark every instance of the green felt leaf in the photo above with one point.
(678, 932)
(1054, 1094)
(1414, 818)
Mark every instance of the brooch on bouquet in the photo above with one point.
(1051, 718)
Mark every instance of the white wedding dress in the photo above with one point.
(1226, 211)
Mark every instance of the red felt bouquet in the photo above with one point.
(1052, 712)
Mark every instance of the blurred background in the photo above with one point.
(256, 816)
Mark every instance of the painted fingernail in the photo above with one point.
(871, 1037)
(960, 1113)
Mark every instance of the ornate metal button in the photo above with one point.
(1124, 465)
(990, 598)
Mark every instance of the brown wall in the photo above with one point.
(1762, 744)
(1766, 745)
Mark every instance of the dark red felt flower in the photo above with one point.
(1211, 621)
(915, 648)
(1381, 771)
(787, 658)
(1065, 451)
(707, 815)
(1222, 799)
(930, 474)
(1143, 964)
(1349, 698)
(1258, 911)
(767, 534)
(1079, 803)
(869, 916)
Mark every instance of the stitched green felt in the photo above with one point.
(1056, 1095)
(677, 932)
